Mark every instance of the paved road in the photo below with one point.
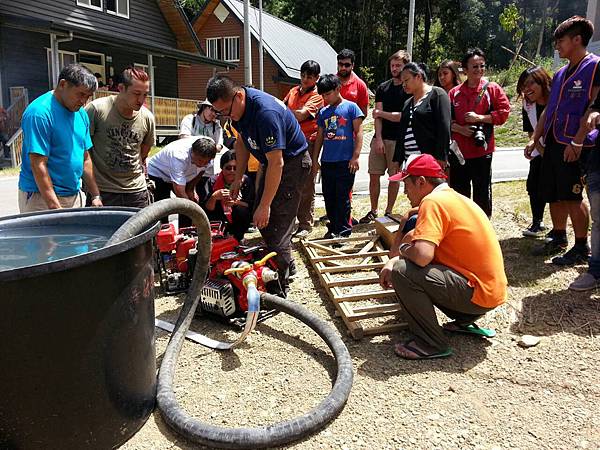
(508, 164)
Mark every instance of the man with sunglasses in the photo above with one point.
(353, 88)
(270, 132)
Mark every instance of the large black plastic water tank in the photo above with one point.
(77, 356)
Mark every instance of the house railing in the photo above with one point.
(19, 99)
(168, 112)
(15, 144)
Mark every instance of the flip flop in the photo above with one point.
(420, 354)
(472, 329)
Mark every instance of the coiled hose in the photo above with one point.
(196, 431)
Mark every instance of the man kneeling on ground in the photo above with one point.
(453, 262)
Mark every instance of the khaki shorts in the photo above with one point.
(33, 201)
(379, 163)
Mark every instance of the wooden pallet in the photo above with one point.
(339, 263)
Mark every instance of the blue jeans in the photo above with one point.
(336, 183)
(593, 185)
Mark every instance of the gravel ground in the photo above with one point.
(492, 394)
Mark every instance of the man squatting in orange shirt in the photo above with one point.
(451, 260)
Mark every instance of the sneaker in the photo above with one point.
(584, 282)
(330, 235)
(369, 217)
(302, 234)
(574, 256)
(550, 247)
(535, 230)
(353, 221)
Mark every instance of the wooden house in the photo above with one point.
(220, 30)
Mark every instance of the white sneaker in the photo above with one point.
(584, 282)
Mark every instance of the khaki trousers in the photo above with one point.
(419, 289)
(33, 201)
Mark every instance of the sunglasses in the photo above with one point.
(344, 64)
(229, 168)
(480, 66)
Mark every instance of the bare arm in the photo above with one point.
(272, 180)
(357, 124)
(317, 151)
(301, 114)
(144, 150)
(179, 190)
(420, 252)
(39, 167)
(90, 180)
(242, 155)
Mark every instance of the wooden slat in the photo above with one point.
(350, 256)
(353, 267)
(338, 240)
(373, 314)
(371, 295)
(354, 281)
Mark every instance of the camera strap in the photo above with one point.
(482, 93)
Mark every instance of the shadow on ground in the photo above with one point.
(553, 312)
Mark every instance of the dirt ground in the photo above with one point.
(492, 394)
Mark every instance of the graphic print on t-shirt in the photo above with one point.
(331, 128)
(121, 155)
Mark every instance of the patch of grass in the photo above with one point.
(10, 171)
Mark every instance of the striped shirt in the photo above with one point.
(410, 143)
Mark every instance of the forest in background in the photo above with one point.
(444, 29)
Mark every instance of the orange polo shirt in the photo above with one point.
(465, 241)
(310, 100)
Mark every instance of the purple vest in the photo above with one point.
(569, 99)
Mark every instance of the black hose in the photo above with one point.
(236, 438)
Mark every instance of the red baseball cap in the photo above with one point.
(423, 165)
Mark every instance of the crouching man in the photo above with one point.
(453, 262)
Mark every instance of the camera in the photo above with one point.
(479, 135)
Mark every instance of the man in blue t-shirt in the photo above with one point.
(56, 139)
(341, 136)
(270, 132)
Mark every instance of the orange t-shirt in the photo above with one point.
(310, 100)
(465, 241)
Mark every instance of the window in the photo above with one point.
(213, 48)
(231, 48)
(64, 59)
(93, 4)
(118, 7)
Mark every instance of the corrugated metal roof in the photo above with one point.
(288, 44)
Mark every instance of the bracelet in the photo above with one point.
(403, 247)
(573, 144)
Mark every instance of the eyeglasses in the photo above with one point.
(344, 64)
(228, 113)
(479, 66)
(230, 168)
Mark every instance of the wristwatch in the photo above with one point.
(97, 197)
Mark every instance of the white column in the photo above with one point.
(54, 60)
(260, 47)
(411, 28)
(151, 76)
(247, 45)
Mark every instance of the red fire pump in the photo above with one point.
(225, 292)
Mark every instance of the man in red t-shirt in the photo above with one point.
(353, 88)
(305, 103)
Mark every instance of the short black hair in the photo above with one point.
(228, 156)
(417, 69)
(327, 83)
(346, 54)
(221, 87)
(475, 51)
(574, 26)
(310, 67)
(205, 147)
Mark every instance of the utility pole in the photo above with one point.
(247, 45)
(261, 74)
(411, 28)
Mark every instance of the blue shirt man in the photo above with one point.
(267, 124)
(268, 130)
(55, 142)
(338, 130)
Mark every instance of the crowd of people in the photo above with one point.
(436, 136)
